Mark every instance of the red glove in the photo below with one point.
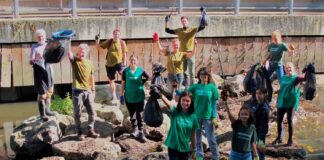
(155, 37)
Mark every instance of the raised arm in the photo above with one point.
(224, 96)
(166, 102)
(166, 26)
(70, 55)
(161, 49)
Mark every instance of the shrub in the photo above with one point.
(62, 106)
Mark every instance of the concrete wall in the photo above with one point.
(22, 30)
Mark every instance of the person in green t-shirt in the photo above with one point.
(132, 88)
(288, 100)
(276, 50)
(205, 95)
(83, 89)
(186, 36)
(116, 58)
(175, 60)
(244, 132)
(184, 124)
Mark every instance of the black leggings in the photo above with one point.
(280, 116)
(135, 111)
(176, 155)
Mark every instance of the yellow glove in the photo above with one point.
(256, 158)
(214, 121)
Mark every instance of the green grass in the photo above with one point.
(62, 106)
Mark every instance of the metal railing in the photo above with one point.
(75, 8)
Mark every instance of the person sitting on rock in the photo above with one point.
(184, 125)
(244, 132)
(132, 87)
(43, 75)
(288, 100)
(83, 89)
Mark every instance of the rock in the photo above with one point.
(53, 158)
(217, 80)
(132, 146)
(157, 156)
(292, 152)
(126, 126)
(235, 85)
(34, 137)
(89, 149)
(110, 114)
(157, 134)
(103, 94)
(105, 129)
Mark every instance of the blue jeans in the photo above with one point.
(189, 71)
(261, 137)
(240, 156)
(273, 66)
(211, 137)
(173, 77)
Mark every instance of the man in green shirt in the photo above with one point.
(186, 36)
(83, 89)
(116, 58)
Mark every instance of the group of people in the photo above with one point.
(196, 111)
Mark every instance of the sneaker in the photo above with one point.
(277, 141)
(80, 136)
(141, 137)
(92, 134)
(50, 113)
(44, 118)
(135, 133)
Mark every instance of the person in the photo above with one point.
(116, 58)
(205, 95)
(287, 102)
(43, 75)
(83, 89)
(184, 125)
(174, 64)
(244, 132)
(186, 36)
(132, 88)
(276, 50)
(261, 114)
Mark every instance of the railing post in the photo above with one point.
(290, 7)
(74, 9)
(129, 8)
(16, 8)
(180, 11)
(237, 7)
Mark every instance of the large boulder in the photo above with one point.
(103, 95)
(53, 158)
(235, 85)
(132, 146)
(110, 114)
(157, 156)
(89, 149)
(34, 137)
(217, 80)
(291, 152)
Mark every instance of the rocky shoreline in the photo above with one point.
(56, 140)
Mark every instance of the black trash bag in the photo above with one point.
(153, 116)
(203, 19)
(159, 82)
(58, 47)
(262, 80)
(310, 85)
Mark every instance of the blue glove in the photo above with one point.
(122, 100)
(178, 93)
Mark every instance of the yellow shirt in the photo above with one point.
(114, 53)
(177, 59)
(82, 71)
(186, 38)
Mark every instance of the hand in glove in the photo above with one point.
(167, 18)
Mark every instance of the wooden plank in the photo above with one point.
(257, 50)
(303, 50)
(322, 59)
(249, 53)
(311, 50)
(208, 53)
(66, 69)
(199, 54)
(27, 69)
(264, 47)
(57, 72)
(94, 57)
(318, 53)
(294, 58)
(102, 65)
(8, 129)
(233, 49)
(17, 65)
(240, 57)
(6, 65)
(215, 65)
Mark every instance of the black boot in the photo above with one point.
(41, 108)
(47, 108)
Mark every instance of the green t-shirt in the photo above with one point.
(182, 125)
(204, 95)
(289, 93)
(81, 72)
(243, 137)
(175, 62)
(276, 52)
(115, 51)
(134, 88)
(186, 38)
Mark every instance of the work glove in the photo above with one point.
(122, 100)
(167, 18)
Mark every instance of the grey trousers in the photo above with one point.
(83, 98)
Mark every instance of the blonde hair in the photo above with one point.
(85, 47)
(277, 34)
(40, 31)
(292, 66)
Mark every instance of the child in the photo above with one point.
(244, 133)
(261, 114)
(184, 124)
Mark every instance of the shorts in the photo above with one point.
(111, 71)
